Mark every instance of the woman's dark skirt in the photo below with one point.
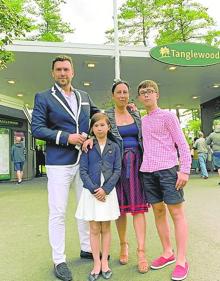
(129, 189)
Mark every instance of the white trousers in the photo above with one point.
(60, 179)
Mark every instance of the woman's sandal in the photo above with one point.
(142, 262)
(123, 258)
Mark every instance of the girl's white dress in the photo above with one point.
(91, 209)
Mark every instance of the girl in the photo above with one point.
(100, 170)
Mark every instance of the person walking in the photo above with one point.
(100, 170)
(18, 157)
(61, 117)
(201, 147)
(213, 140)
(163, 182)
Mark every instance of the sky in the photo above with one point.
(91, 18)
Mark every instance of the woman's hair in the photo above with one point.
(96, 117)
(115, 84)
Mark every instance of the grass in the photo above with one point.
(25, 253)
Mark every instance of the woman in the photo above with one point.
(126, 129)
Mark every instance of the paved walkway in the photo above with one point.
(25, 253)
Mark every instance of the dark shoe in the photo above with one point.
(93, 276)
(205, 177)
(62, 272)
(107, 274)
(86, 255)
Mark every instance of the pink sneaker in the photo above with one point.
(180, 272)
(162, 262)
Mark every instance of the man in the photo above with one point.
(213, 140)
(18, 157)
(202, 149)
(162, 181)
(61, 117)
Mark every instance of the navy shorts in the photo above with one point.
(160, 186)
(18, 166)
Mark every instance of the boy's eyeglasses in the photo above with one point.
(146, 91)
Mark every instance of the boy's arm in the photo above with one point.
(183, 149)
(180, 140)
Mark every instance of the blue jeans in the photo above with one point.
(202, 163)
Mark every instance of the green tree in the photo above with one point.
(135, 20)
(184, 20)
(48, 21)
(13, 24)
(164, 21)
(194, 126)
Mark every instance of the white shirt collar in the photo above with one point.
(62, 91)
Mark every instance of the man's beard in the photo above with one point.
(64, 83)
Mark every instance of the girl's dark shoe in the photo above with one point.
(93, 276)
(107, 274)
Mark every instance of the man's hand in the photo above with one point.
(76, 139)
(182, 179)
(100, 194)
(88, 144)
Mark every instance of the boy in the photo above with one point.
(165, 144)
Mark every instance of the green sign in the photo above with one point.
(186, 54)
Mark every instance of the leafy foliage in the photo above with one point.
(184, 20)
(164, 21)
(13, 24)
(134, 22)
(49, 25)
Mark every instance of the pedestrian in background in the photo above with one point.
(202, 149)
(214, 141)
(18, 157)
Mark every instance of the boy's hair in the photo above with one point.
(118, 82)
(62, 58)
(148, 83)
(96, 117)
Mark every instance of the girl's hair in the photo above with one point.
(115, 84)
(96, 117)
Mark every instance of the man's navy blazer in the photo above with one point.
(93, 163)
(53, 121)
